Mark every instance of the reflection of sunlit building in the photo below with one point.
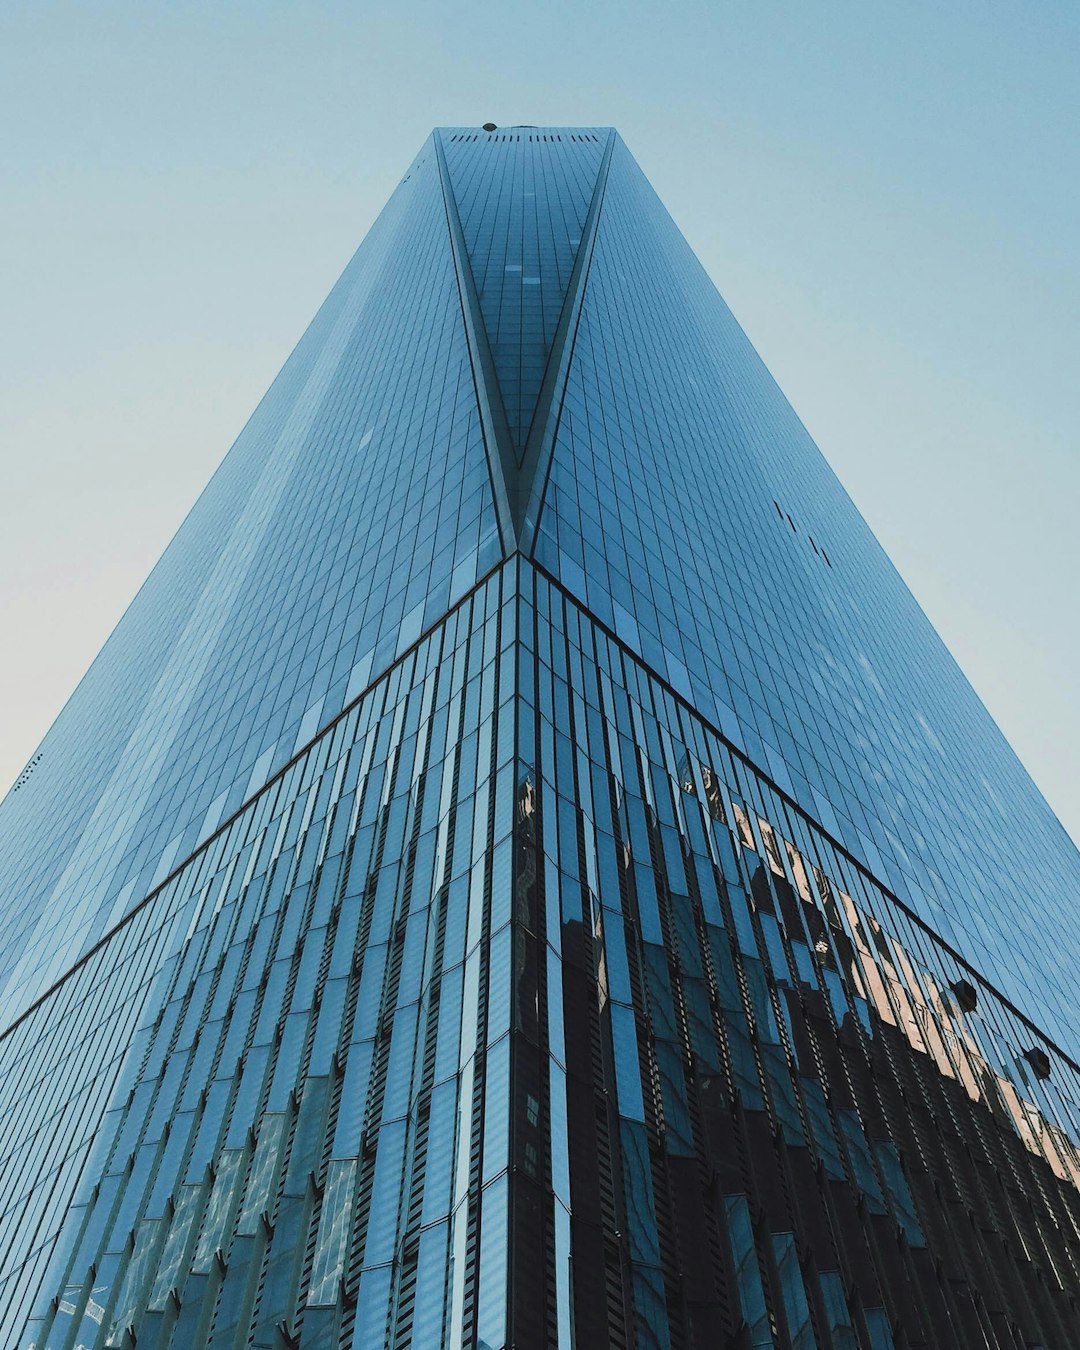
(524, 872)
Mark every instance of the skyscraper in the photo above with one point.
(524, 871)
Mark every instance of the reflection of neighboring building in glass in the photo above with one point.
(524, 871)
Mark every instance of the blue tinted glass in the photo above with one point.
(491, 889)
(522, 196)
(683, 498)
(353, 508)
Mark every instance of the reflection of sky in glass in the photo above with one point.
(689, 508)
(354, 507)
(686, 505)
(518, 932)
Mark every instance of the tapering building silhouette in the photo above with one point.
(524, 871)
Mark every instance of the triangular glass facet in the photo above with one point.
(522, 197)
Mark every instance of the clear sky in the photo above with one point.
(886, 193)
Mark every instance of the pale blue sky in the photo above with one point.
(886, 193)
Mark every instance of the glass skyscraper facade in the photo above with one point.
(524, 871)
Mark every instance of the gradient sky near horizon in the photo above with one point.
(886, 195)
